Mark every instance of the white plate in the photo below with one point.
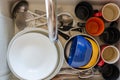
(32, 56)
(44, 32)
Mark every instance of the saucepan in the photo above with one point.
(82, 52)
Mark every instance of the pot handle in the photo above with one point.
(86, 74)
(51, 19)
(65, 36)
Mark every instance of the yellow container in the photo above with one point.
(95, 54)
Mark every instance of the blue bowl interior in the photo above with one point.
(80, 52)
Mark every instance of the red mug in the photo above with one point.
(109, 54)
(101, 62)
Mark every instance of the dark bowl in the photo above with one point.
(111, 35)
(88, 11)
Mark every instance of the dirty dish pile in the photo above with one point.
(30, 52)
(110, 35)
(95, 25)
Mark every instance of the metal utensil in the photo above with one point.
(65, 18)
(77, 29)
(65, 36)
(65, 28)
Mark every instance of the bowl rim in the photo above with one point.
(92, 43)
(87, 47)
(57, 44)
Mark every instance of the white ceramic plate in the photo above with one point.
(32, 56)
(44, 32)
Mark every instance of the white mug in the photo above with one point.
(110, 54)
(111, 12)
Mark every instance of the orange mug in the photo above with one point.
(94, 26)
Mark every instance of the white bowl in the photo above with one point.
(32, 56)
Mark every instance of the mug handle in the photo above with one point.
(86, 74)
(101, 63)
(98, 14)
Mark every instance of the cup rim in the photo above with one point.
(117, 58)
(87, 5)
(102, 29)
(117, 9)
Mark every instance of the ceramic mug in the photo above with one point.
(94, 26)
(111, 35)
(83, 10)
(109, 54)
(110, 72)
(110, 12)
